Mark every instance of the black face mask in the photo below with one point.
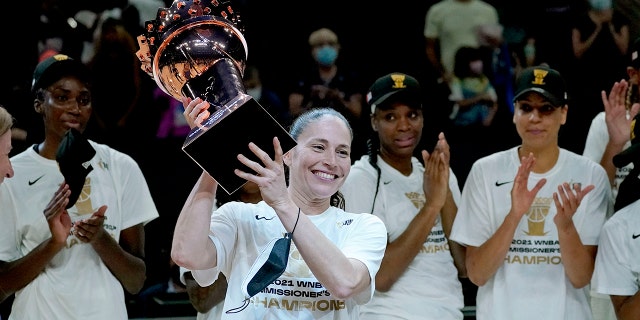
(73, 155)
(268, 267)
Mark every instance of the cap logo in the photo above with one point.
(398, 81)
(60, 57)
(539, 76)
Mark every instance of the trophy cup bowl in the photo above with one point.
(197, 49)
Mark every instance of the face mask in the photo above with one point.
(326, 55)
(476, 66)
(600, 4)
(269, 266)
(256, 93)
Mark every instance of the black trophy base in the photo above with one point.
(216, 145)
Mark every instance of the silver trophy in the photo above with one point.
(197, 49)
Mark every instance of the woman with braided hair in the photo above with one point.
(610, 129)
(608, 135)
(418, 277)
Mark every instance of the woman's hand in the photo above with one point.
(57, 216)
(269, 176)
(521, 196)
(87, 230)
(436, 174)
(195, 111)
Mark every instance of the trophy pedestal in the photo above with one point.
(227, 132)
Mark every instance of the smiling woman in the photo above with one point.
(329, 245)
(6, 122)
(558, 203)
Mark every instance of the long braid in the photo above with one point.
(373, 147)
(627, 100)
(631, 96)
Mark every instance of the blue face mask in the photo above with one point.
(600, 4)
(326, 55)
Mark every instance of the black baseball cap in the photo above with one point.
(543, 80)
(394, 87)
(55, 67)
(632, 152)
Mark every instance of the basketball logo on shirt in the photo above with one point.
(84, 205)
(416, 198)
(537, 216)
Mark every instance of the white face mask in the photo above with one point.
(256, 93)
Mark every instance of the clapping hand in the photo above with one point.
(57, 216)
(567, 201)
(436, 173)
(617, 117)
(521, 196)
(87, 230)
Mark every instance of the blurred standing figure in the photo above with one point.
(75, 262)
(451, 24)
(123, 116)
(475, 105)
(331, 85)
(531, 251)
(418, 277)
(6, 123)
(266, 97)
(600, 42)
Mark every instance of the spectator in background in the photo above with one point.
(531, 251)
(475, 101)
(57, 256)
(450, 25)
(330, 84)
(129, 113)
(600, 41)
(266, 97)
(475, 104)
(416, 202)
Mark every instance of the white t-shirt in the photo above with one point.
(454, 23)
(617, 270)
(531, 284)
(429, 288)
(596, 143)
(240, 231)
(76, 284)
